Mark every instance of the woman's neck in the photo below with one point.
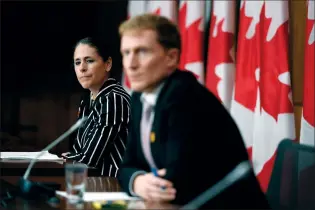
(94, 94)
(96, 90)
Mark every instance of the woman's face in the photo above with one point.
(90, 68)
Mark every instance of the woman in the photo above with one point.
(101, 141)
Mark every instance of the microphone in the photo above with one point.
(239, 172)
(29, 189)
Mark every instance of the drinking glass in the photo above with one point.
(76, 175)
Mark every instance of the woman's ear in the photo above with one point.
(109, 64)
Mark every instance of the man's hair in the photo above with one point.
(167, 32)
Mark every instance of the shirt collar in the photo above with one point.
(107, 83)
(151, 97)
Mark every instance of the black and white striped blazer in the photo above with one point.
(101, 141)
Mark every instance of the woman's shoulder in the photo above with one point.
(113, 89)
(113, 95)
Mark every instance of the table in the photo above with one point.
(41, 168)
(94, 184)
(12, 172)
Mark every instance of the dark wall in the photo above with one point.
(37, 41)
(37, 75)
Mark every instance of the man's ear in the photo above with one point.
(172, 57)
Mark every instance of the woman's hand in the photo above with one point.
(64, 155)
(153, 188)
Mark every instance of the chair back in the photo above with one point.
(292, 183)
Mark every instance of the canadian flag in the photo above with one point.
(134, 8)
(166, 8)
(262, 103)
(221, 52)
(191, 21)
(308, 124)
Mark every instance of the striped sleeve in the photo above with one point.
(119, 147)
(107, 119)
(74, 144)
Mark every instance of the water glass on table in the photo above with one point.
(76, 175)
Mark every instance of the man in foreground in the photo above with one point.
(182, 140)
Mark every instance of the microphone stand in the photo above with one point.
(239, 172)
(32, 190)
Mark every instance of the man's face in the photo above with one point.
(145, 61)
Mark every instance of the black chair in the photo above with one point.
(292, 183)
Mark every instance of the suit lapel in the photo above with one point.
(168, 97)
(136, 118)
(160, 126)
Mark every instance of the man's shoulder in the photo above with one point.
(135, 99)
(184, 85)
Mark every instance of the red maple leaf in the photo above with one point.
(157, 11)
(309, 77)
(274, 95)
(191, 39)
(265, 174)
(271, 57)
(247, 61)
(194, 42)
(219, 52)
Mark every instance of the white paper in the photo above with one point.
(102, 196)
(28, 155)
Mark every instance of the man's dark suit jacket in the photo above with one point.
(196, 141)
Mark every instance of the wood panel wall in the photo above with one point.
(297, 18)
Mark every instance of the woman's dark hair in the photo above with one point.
(101, 47)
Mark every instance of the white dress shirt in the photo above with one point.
(150, 98)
